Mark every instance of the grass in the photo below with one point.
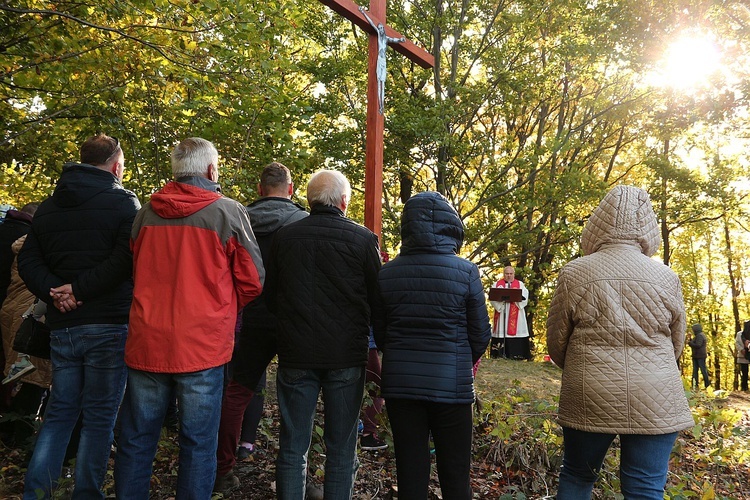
(542, 380)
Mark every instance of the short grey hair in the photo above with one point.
(326, 187)
(192, 157)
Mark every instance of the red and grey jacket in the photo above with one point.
(195, 264)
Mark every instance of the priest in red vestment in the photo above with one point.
(510, 332)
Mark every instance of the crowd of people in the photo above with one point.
(186, 300)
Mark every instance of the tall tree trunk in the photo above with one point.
(730, 274)
(437, 42)
(735, 293)
(713, 318)
(663, 215)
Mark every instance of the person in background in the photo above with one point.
(26, 386)
(77, 259)
(4, 208)
(433, 327)
(698, 347)
(15, 226)
(322, 284)
(616, 327)
(14, 230)
(370, 439)
(510, 331)
(242, 405)
(742, 347)
(195, 264)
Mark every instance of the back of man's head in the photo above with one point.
(192, 157)
(328, 187)
(30, 208)
(275, 180)
(99, 150)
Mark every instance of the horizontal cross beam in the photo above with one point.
(350, 10)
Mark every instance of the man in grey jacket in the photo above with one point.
(698, 346)
(256, 343)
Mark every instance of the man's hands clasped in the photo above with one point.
(63, 298)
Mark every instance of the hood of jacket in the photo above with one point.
(625, 215)
(429, 224)
(181, 198)
(80, 182)
(21, 217)
(270, 213)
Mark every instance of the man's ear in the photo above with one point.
(212, 172)
(344, 204)
(291, 189)
(260, 190)
(118, 170)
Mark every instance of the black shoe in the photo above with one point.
(369, 442)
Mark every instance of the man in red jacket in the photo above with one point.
(195, 264)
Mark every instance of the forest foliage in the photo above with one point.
(532, 112)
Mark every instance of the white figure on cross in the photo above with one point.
(383, 41)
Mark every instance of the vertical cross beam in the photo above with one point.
(374, 137)
(375, 121)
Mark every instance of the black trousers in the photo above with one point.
(412, 421)
(510, 347)
(255, 349)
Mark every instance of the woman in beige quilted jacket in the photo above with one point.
(616, 327)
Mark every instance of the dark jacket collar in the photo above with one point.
(201, 182)
(326, 210)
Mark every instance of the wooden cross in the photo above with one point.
(375, 120)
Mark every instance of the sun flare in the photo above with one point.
(688, 62)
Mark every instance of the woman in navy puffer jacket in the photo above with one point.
(433, 328)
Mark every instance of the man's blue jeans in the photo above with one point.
(88, 378)
(297, 392)
(644, 460)
(141, 417)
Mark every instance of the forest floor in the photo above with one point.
(517, 448)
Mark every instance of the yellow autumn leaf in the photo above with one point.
(708, 491)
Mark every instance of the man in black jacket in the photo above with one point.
(321, 283)
(77, 259)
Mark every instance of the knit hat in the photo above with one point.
(697, 328)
